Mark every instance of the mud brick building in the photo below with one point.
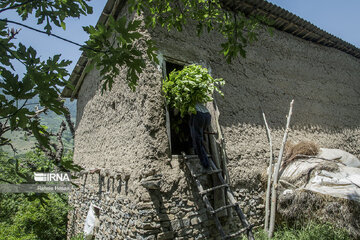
(132, 168)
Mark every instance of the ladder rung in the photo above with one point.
(210, 133)
(207, 173)
(223, 207)
(188, 157)
(241, 231)
(214, 188)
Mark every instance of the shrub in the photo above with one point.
(30, 216)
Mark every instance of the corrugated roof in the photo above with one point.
(283, 21)
(290, 23)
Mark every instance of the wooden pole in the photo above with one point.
(219, 195)
(276, 174)
(267, 201)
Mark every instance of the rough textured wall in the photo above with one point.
(124, 132)
(324, 82)
(173, 210)
(121, 142)
(120, 127)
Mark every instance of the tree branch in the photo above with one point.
(49, 34)
(60, 146)
(70, 124)
(12, 54)
(3, 180)
(17, 5)
(12, 33)
(38, 112)
(14, 113)
(6, 142)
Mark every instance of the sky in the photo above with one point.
(338, 17)
(47, 46)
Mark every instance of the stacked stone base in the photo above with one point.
(144, 214)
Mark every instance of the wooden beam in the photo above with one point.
(288, 26)
(79, 82)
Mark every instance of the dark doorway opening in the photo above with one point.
(179, 127)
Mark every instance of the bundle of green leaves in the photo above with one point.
(184, 89)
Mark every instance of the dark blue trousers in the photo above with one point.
(198, 123)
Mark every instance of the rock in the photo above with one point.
(194, 221)
(151, 184)
(165, 236)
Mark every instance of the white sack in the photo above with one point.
(347, 158)
(90, 221)
(343, 184)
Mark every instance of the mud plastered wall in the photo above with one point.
(120, 127)
(323, 82)
(121, 143)
(125, 131)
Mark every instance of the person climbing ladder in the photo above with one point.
(198, 123)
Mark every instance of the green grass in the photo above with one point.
(308, 231)
(78, 237)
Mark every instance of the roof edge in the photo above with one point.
(284, 21)
(111, 8)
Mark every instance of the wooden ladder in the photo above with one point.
(230, 196)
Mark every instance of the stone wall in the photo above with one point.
(128, 210)
(123, 133)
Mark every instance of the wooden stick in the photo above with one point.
(276, 174)
(221, 141)
(219, 195)
(267, 201)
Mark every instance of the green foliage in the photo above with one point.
(238, 30)
(308, 231)
(30, 216)
(183, 89)
(33, 219)
(78, 237)
(12, 232)
(112, 47)
(43, 79)
(23, 142)
(50, 12)
(20, 169)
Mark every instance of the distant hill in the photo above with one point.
(23, 144)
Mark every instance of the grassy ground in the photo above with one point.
(309, 231)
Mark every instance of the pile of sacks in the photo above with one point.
(331, 172)
(324, 187)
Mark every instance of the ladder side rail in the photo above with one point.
(232, 200)
(207, 203)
